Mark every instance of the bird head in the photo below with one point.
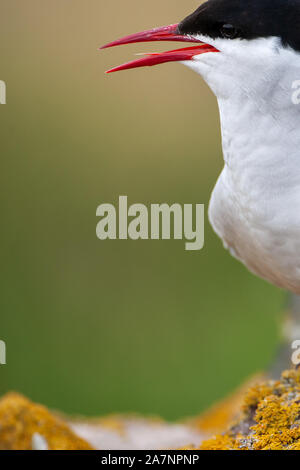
(239, 43)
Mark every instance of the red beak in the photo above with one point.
(166, 33)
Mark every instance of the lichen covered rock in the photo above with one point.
(270, 418)
(23, 424)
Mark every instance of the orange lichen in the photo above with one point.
(219, 443)
(20, 420)
(270, 418)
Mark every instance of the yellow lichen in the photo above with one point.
(270, 418)
(20, 419)
(219, 443)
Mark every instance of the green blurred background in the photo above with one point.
(97, 327)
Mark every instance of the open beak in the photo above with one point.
(166, 33)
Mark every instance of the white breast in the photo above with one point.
(268, 247)
(255, 206)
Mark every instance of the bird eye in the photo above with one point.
(229, 31)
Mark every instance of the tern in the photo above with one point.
(248, 52)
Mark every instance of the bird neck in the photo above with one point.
(261, 137)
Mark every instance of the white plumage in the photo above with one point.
(255, 206)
